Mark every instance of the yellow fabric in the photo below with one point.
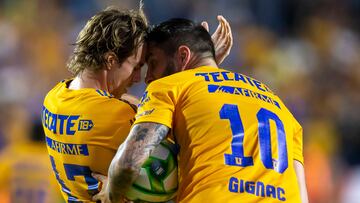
(26, 175)
(84, 129)
(200, 105)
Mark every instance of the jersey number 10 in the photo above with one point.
(237, 158)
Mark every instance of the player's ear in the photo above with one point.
(183, 56)
(110, 60)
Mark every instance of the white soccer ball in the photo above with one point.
(158, 180)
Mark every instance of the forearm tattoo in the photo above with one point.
(125, 167)
(142, 140)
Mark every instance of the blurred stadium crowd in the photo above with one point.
(307, 51)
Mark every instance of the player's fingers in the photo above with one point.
(221, 22)
(226, 25)
(99, 177)
(223, 31)
(205, 25)
(216, 34)
(223, 25)
(228, 31)
(230, 40)
(227, 46)
(227, 37)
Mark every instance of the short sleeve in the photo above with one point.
(157, 104)
(298, 143)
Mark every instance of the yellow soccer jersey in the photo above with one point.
(237, 139)
(26, 175)
(84, 129)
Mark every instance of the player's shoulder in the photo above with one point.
(179, 78)
(190, 74)
(114, 104)
(90, 99)
(129, 105)
(53, 91)
(117, 110)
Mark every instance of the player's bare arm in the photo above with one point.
(125, 167)
(300, 174)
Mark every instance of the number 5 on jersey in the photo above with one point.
(237, 158)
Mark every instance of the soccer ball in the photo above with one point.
(157, 181)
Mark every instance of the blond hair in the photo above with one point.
(119, 31)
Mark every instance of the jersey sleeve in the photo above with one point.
(298, 143)
(123, 117)
(157, 104)
(112, 122)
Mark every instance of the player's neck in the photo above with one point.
(201, 61)
(89, 79)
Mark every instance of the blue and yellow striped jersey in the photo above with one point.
(84, 129)
(237, 139)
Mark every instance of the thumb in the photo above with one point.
(205, 25)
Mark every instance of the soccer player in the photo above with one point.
(238, 141)
(24, 164)
(83, 120)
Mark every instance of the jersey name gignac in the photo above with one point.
(237, 139)
(84, 129)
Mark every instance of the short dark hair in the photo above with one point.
(120, 31)
(171, 34)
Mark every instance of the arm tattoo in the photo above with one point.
(125, 167)
(141, 133)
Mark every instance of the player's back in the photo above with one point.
(237, 139)
(83, 128)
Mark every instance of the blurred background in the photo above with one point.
(307, 51)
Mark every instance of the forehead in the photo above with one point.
(154, 51)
